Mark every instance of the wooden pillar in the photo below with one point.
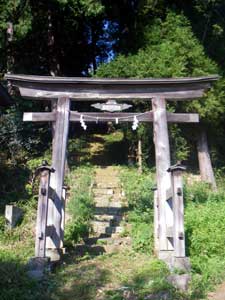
(139, 155)
(54, 240)
(156, 221)
(178, 209)
(63, 214)
(164, 185)
(205, 165)
(42, 211)
(179, 260)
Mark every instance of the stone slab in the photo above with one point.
(37, 267)
(12, 215)
(180, 282)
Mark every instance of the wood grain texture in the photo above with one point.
(99, 95)
(90, 117)
(156, 223)
(44, 87)
(164, 184)
(57, 178)
(205, 164)
(42, 212)
(178, 208)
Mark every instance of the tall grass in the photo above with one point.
(80, 207)
(204, 226)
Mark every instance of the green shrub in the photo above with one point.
(205, 226)
(138, 191)
(80, 205)
(142, 234)
(138, 188)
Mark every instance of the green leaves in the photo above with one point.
(170, 50)
(88, 8)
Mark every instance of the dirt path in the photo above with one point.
(219, 293)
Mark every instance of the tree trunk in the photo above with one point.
(205, 165)
(10, 57)
(54, 66)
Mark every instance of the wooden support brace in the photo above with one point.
(178, 208)
(42, 212)
(156, 221)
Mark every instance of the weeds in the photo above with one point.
(80, 205)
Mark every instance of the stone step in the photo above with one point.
(112, 220)
(106, 185)
(99, 228)
(106, 240)
(113, 229)
(104, 202)
(103, 191)
(112, 211)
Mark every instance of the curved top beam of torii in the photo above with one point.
(81, 88)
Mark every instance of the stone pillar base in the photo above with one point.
(55, 254)
(181, 263)
(181, 282)
(166, 256)
(37, 267)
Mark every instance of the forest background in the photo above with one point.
(113, 38)
(139, 38)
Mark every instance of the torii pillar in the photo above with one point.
(163, 178)
(92, 89)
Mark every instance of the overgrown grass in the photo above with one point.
(80, 206)
(204, 227)
(17, 245)
(16, 248)
(117, 276)
(139, 194)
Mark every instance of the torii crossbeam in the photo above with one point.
(157, 91)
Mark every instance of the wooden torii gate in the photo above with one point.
(156, 91)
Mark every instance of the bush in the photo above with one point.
(205, 226)
(140, 200)
(80, 205)
(138, 188)
(142, 232)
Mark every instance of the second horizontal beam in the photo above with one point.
(93, 117)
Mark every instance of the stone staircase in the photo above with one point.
(109, 224)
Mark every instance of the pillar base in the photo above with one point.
(37, 267)
(55, 254)
(180, 282)
(181, 263)
(166, 256)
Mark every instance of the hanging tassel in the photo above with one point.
(82, 122)
(135, 123)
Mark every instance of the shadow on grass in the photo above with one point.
(15, 283)
(82, 281)
(12, 185)
(105, 149)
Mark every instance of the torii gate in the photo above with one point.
(156, 91)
